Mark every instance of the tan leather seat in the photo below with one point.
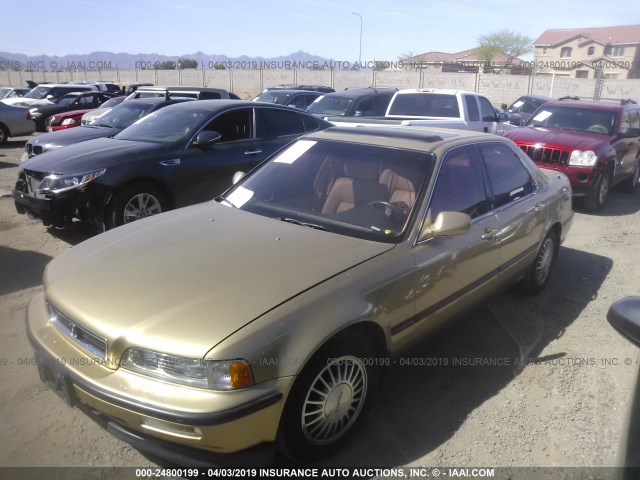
(400, 188)
(357, 189)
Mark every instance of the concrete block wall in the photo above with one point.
(249, 83)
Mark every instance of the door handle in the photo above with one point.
(539, 207)
(489, 234)
(252, 152)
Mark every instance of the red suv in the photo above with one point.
(596, 144)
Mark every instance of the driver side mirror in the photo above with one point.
(237, 177)
(446, 224)
(206, 139)
(630, 133)
(624, 316)
(503, 106)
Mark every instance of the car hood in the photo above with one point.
(27, 102)
(72, 135)
(98, 153)
(554, 137)
(183, 281)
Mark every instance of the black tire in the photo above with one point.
(629, 184)
(4, 134)
(344, 383)
(538, 274)
(133, 202)
(597, 197)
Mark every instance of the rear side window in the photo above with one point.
(380, 103)
(209, 95)
(472, 108)
(279, 123)
(508, 177)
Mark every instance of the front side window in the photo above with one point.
(508, 177)
(460, 186)
(233, 125)
(486, 110)
(353, 189)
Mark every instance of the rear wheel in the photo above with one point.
(597, 197)
(134, 202)
(4, 134)
(629, 185)
(538, 274)
(329, 399)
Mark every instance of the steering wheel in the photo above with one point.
(598, 129)
(390, 209)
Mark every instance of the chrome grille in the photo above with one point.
(556, 156)
(79, 334)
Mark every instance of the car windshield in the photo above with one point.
(112, 102)
(425, 105)
(579, 119)
(273, 96)
(4, 92)
(123, 115)
(67, 100)
(166, 126)
(525, 106)
(38, 92)
(363, 191)
(332, 105)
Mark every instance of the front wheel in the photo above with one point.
(329, 399)
(538, 274)
(597, 197)
(134, 202)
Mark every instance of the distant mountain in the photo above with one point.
(141, 61)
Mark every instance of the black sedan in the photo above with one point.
(521, 110)
(109, 124)
(71, 101)
(179, 155)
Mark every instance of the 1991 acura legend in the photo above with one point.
(221, 331)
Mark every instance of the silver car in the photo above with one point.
(14, 122)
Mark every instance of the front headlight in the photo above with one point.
(195, 372)
(61, 183)
(588, 158)
(69, 121)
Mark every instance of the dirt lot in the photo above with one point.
(559, 397)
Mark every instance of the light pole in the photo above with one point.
(360, 53)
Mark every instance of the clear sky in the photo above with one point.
(279, 27)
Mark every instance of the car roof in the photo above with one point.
(218, 104)
(595, 104)
(427, 139)
(360, 91)
(293, 91)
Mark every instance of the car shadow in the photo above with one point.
(20, 269)
(7, 164)
(14, 143)
(431, 390)
(618, 204)
(74, 233)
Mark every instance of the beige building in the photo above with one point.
(604, 52)
(466, 61)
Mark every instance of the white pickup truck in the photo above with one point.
(431, 107)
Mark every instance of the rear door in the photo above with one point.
(517, 204)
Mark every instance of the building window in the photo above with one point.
(565, 52)
(611, 76)
(582, 74)
(590, 50)
(617, 51)
(544, 50)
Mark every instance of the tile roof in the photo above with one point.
(605, 35)
(463, 56)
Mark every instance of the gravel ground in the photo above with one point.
(522, 381)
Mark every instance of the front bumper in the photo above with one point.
(189, 426)
(60, 210)
(583, 179)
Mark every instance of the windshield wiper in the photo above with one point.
(304, 224)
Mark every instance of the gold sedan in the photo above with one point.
(216, 333)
